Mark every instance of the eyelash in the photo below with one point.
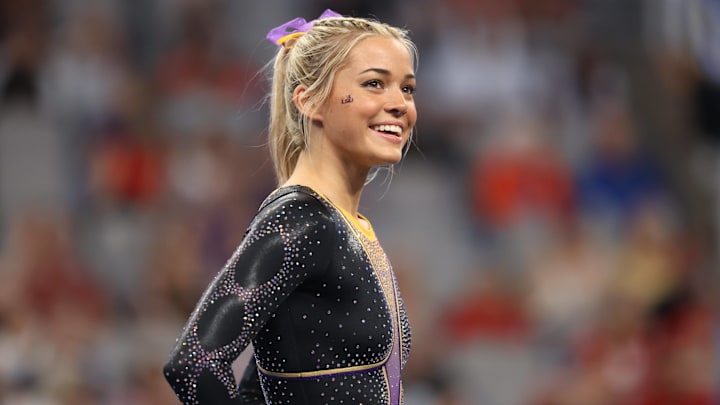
(379, 85)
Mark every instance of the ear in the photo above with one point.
(301, 98)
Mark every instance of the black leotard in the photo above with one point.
(314, 293)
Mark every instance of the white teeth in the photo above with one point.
(388, 128)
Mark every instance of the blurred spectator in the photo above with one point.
(612, 359)
(476, 68)
(646, 270)
(620, 177)
(61, 310)
(202, 82)
(685, 370)
(124, 168)
(87, 65)
(521, 192)
(567, 286)
(490, 309)
(519, 177)
(33, 167)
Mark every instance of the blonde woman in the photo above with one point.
(310, 286)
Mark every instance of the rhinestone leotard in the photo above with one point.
(314, 293)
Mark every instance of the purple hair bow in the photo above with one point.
(295, 28)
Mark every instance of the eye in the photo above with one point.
(374, 84)
(409, 90)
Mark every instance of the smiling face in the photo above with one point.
(370, 112)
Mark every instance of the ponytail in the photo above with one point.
(285, 139)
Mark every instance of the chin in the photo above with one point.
(389, 161)
(386, 156)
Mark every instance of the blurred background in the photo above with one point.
(554, 232)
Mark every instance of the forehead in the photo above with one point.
(381, 52)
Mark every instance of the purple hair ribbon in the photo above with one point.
(295, 28)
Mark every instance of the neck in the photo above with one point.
(342, 184)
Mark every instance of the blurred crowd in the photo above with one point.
(554, 227)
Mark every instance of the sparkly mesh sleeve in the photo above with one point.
(289, 240)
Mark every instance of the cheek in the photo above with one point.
(412, 114)
(361, 108)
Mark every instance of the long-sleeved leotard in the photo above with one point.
(314, 293)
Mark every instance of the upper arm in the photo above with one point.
(288, 241)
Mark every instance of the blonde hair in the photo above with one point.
(311, 61)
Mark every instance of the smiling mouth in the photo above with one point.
(395, 130)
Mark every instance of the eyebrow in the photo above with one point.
(385, 72)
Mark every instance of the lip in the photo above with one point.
(390, 138)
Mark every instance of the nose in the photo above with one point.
(396, 103)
